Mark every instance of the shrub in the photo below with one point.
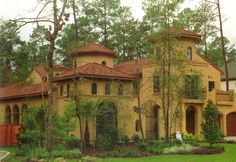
(136, 139)
(210, 129)
(176, 149)
(73, 142)
(108, 138)
(191, 139)
(124, 139)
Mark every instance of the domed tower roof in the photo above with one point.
(93, 49)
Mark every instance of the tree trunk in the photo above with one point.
(49, 143)
(86, 133)
(75, 21)
(223, 47)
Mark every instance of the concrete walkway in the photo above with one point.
(230, 138)
(3, 154)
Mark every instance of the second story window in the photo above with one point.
(61, 90)
(156, 84)
(189, 53)
(211, 85)
(94, 88)
(107, 89)
(120, 90)
(192, 86)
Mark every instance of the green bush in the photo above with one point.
(73, 142)
(124, 139)
(210, 129)
(44, 154)
(107, 139)
(136, 139)
(176, 149)
(191, 139)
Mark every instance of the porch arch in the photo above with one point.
(16, 114)
(8, 114)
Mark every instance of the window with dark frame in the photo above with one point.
(156, 84)
(94, 88)
(107, 89)
(211, 85)
(189, 53)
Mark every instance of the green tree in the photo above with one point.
(87, 109)
(10, 44)
(210, 129)
(214, 51)
(161, 14)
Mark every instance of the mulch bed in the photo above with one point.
(110, 153)
(204, 151)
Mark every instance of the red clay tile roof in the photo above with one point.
(43, 71)
(186, 34)
(19, 91)
(93, 49)
(132, 67)
(95, 70)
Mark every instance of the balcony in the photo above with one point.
(195, 96)
(224, 98)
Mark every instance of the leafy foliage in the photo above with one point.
(210, 129)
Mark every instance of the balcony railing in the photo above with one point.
(195, 94)
(224, 96)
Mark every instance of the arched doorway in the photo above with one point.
(7, 114)
(190, 119)
(231, 122)
(152, 116)
(16, 115)
(106, 120)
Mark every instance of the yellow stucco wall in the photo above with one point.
(84, 59)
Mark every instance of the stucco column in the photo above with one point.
(183, 120)
(224, 125)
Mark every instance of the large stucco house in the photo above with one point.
(98, 78)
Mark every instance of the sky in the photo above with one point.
(10, 9)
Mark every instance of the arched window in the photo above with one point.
(8, 114)
(120, 90)
(16, 115)
(104, 63)
(107, 89)
(189, 53)
(94, 88)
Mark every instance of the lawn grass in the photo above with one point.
(228, 156)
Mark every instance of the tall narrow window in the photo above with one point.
(61, 90)
(8, 114)
(189, 53)
(192, 88)
(68, 89)
(211, 85)
(94, 88)
(156, 84)
(107, 89)
(120, 90)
